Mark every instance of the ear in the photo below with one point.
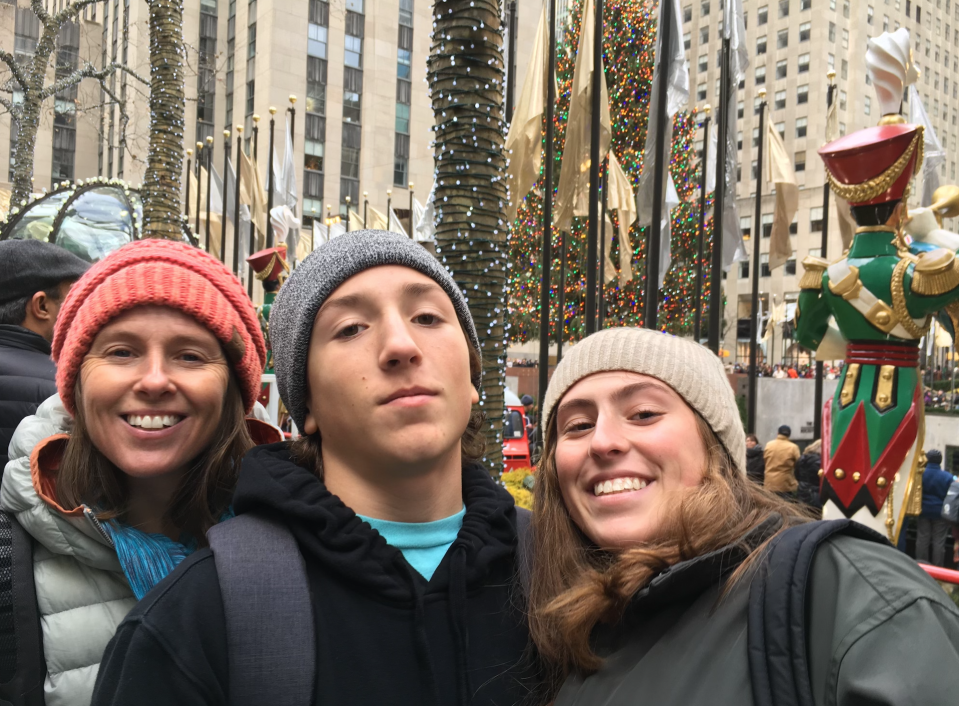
(310, 426)
(474, 395)
(39, 307)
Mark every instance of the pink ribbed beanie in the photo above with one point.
(160, 273)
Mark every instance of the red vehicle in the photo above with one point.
(515, 438)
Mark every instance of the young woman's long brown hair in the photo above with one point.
(574, 585)
(87, 477)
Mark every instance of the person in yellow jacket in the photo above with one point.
(781, 455)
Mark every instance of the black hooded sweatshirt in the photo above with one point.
(384, 635)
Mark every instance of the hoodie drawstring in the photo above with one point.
(457, 595)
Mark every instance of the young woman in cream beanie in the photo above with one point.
(646, 528)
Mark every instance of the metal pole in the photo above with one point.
(594, 164)
(292, 111)
(256, 134)
(601, 304)
(366, 209)
(209, 185)
(249, 266)
(236, 203)
(511, 62)
(199, 187)
(389, 209)
(757, 237)
(824, 246)
(269, 179)
(547, 253)
(715, 275)
(660, 172)
(411, 211)
(562, 297)
(189, 175)
(348, 201)
(698, 321)
(226, 167)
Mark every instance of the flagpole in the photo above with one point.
(698, 321)
(256, 134)
(249, 267)
(226, 166)
(601, 307)
(236, 203)
(757, 237)
(511, 62)
(348, 204)
(660, 171)
(199, 184)
(269, 180)
(209, 185)
(189, 175)
(594, 164)
(366, 209)
(411, 212)
(716, 266)
(561, 304)
(545, 316)
(824, 246)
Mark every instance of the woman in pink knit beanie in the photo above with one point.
(159, 356)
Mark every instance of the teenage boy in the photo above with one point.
(409, 546)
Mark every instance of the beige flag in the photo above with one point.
(356, 221)
(622, 199)
(253, 195)
(780, 173)
(524, 143)
(847, 224)
(572, 197)
(377, 220)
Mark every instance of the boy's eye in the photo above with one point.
(426, 319)
(349, 331)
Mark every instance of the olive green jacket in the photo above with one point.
(880, 633)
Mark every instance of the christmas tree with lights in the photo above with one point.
(628, 55)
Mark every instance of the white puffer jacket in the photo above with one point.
(81, 590)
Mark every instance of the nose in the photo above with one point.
(607, 440)
(155, 379)
(399, 347)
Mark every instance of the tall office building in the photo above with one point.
(792, 45)
(358, 69)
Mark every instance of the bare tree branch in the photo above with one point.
(88, 71)
(7, 104)
(11, 61)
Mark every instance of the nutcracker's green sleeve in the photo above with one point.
(812, 313)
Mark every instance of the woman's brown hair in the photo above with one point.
(307, 451)
(575, 585)
(87, 477)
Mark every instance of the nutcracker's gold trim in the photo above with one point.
(913, 475)
(890, 517)
(812, 276)
(952, 309)
(936, 273)
(849, 286)
(887, 377)
(849, 384)
(914, 499)
(897, 287)
(263, 274)
(882, 317)
(871, 188)
(874, 229)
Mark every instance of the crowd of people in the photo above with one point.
(183, 552)
(787, 370)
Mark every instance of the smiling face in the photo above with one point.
(627, 448)
(389, 373)
(152, 390)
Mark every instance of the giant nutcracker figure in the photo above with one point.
(272, 270)
(883, 294)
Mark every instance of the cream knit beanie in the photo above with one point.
(687, 367)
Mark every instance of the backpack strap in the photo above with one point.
(269, 613)
(524, 538)
(22, 664)
(778, 662)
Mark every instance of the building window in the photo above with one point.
(782, 67)
(783, 8)
(842, 100)
(704, 8)
(815, 219)
(805, 4)
(867, 105)
(740, 109)
(845, 39)
(845, 8)
(755, 137)
(764, 265)
(701, 92)
(703, 62)
(762, 15)
(799, 160)
(739, 143)
(744, 269)
(869, 15)
(353, 53)
(780, 100)
(704, 35)
(802, 95)
(757, 102)
(781, 129)
(761, 45)
(688, 13)
(790, 266)
(800, 127)
(844, 70)
(767, 225)
(804, 30)
(803, 63)
(782, 39)
(686, 40)
(832, 32)
(745, 226)
(760, 75)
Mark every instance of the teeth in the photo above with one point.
(155, 422)
(618, 485)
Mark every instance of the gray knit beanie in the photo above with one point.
(687, 367)
(325, 269)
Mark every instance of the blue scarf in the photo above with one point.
(147, 559)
